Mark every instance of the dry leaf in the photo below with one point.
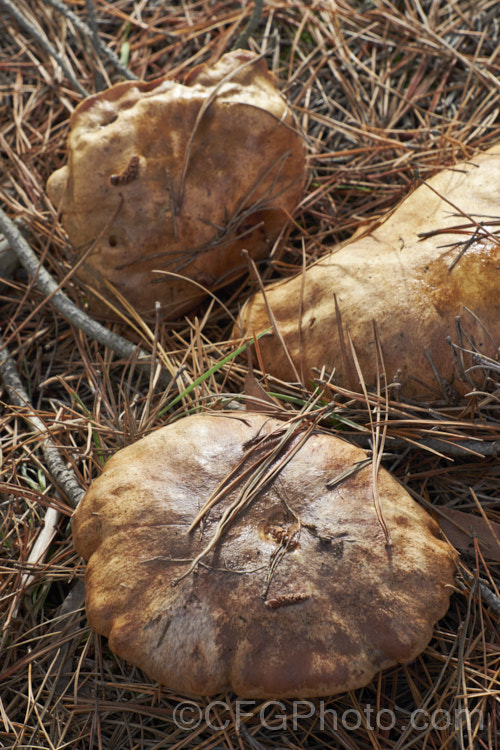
(462, 528)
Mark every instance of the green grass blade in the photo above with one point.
(211, 371)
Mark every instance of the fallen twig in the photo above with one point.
(94, 38)
(63, 477)
(445, 447)
(48, 286)
(85, 29)
(8, 261)
(242, 40)
(44, 42)
(487, 594)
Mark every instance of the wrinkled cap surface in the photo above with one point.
(301, 596)
(428, 275)
(181, 178)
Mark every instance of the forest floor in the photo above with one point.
(386, 93)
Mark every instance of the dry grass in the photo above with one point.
(384, 91)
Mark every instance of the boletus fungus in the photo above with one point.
(249, 554)
(428, 276)
(179, 178)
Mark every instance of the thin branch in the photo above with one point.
(85, 29)
(62, 476)
(44, 42)
(242, 40)
(48, 286)
(94, 38)
(487, 594)
(457, 449)
(8, 261)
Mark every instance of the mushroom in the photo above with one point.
(244, 553)
(429, 278)
(178, 178)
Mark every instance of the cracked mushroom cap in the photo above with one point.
(179, 177)
(298, 595)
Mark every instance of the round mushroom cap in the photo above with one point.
(284, 585)
(179, 178)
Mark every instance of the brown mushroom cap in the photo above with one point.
(410, 277)
(301, 596)
(179, 177)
